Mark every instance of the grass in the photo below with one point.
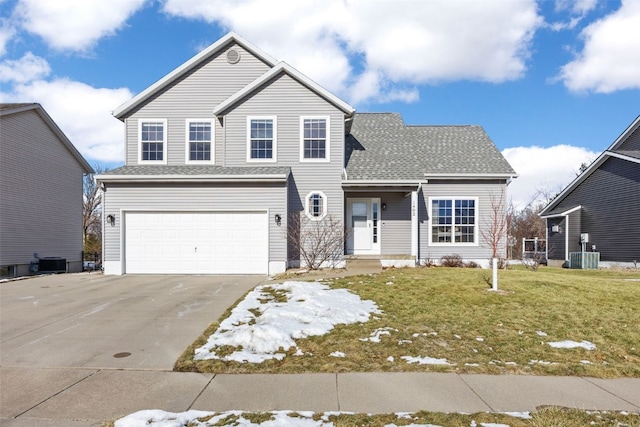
(451, 314)
(544, 417)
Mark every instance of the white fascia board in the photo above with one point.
(561, 214)
(624, 135)
(623, 157)
(471, 175)
(301, 78)
(382, 183)
(191, 178)
(123, 109)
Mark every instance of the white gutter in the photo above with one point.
(471, 175)
(190, 178)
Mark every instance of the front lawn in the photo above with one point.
(447, 320)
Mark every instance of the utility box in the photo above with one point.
(584, 260)
(52, 265)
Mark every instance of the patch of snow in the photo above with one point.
(479, 339)
(377, 334)
(413, 425)
(160, 418)
(542, 334)
(586, 362)
(523, 415)
(573, 344)
(426, 360)
(471, 364)
(261, 328)
(511, 363)
(389, 283)
(494, 425)
(391, 359)
(405, 342)
(457, 336)
(338, 354)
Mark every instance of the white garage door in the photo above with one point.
(196, 243)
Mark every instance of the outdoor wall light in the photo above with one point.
(278, 219)
(111, 219)
(555, 228)
(384, 206)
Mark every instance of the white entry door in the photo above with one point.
(364, 226)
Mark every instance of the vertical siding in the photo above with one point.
(203, 197)
(484, 191)
(40, 193)
(610, 200)
(194, 96)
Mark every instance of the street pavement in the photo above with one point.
(82, 349)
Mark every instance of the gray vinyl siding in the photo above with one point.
(632, 143)
(610, 200)
(556, 240)
(575, 228)
(194, 96)
(40, 193)
(288, 101)
(481, 190)
(200, 197)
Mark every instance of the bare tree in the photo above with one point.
(494, 232)
(92, 212)
(318, 243)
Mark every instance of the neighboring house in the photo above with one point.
(41, 178)
(227, 151)
(603, 202)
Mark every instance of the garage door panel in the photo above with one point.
(196, 243)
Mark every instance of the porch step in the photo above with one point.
(364, 266)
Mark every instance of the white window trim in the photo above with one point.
(328, 141)
(164, 142)
(476, 222)
(324, 206)
(275, 139)
(187, 122)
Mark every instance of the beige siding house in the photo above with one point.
(231, 156)
(41, 177)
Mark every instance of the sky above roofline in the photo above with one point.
(553, 83)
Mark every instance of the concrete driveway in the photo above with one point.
(123, 322)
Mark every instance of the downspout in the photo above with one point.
(566, 239)
(414, 222)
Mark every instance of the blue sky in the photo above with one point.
(552, 82)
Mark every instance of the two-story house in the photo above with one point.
(224, 152)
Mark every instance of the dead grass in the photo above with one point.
(544, 417)
(452, 314)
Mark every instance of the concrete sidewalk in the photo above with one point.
(87, 397)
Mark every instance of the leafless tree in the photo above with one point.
(92, 212)
(318, 243)
(494, 232)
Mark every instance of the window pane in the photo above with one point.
(200, 141)
(314, 138)
(261, 138)
(453, 221)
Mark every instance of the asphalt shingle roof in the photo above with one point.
(197, 170)
(381, 147)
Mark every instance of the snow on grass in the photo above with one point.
(573, 344)
(377, 334)
(158, 418)
(262, 325)
(426, 360)
(338, 354)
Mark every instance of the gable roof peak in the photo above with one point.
(217, 46)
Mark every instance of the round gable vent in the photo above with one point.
(233, 56)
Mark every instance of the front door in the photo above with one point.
(363, 216)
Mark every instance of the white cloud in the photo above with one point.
(7, 31)
(609, 61)
(29, 67)
(543, 169)
(375, 45)
(74, 24)
(82, 112)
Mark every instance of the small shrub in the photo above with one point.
(471, 264)
(428, 262)
(453, 260)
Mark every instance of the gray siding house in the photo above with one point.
(41, 177)
(230, 149)
(602, 202)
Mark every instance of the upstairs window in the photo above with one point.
(152, 135)
(262, 139)
(315, 139)
(199, 141)
(454, 221)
